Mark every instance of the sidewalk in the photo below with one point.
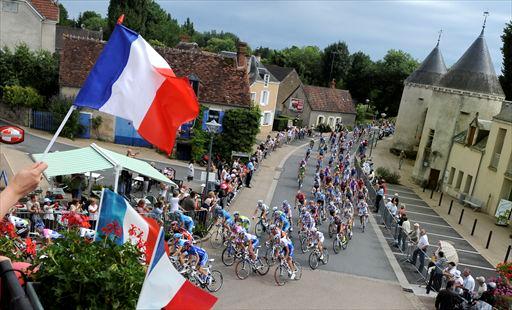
(485, 223)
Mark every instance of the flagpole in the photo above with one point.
(57, 133)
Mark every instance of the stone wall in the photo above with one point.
(20, 116)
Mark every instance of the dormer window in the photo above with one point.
(471, 136)
(266, 79)
(194, 83)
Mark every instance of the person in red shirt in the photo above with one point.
(300, 198)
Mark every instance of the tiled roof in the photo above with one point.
(329, 99)
(279, 72)
(61, 31)
(220, 80)
(47, 8)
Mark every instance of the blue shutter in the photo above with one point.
(206, 112)
(221, 117)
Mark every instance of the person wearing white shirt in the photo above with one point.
(469, 281)
(93, 212)
(420, 250)
(190, 173)
(392, 209)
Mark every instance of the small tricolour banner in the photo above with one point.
(165, 288)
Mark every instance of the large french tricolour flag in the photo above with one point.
(165, 288)
(131, 80)
(118, 218)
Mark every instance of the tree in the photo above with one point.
(305, 60)
(161, 26)
(506, 50)
(64, 17)
(216, 45)
(188, 28)
(264, 52)
(390, 73)
(135, 13)
(335, 63)
(360, 76)
(92, 21)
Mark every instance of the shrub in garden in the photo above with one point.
(386, 174)
(16, 96)
(75, 273)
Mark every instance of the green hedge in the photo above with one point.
(16, 96)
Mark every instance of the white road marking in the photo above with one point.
(421, 213)
(462, 264)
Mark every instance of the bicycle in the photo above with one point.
(314, 258)
(340, 242)
(301, 180)
(283, 272)
(365, 221)
(219, 236)
(332, 228)
(305, 242)
(260, 227)
(271, 253)
(246, 265)
(212, 282)
(231, 253)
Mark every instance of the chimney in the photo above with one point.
(333, 84)
(241, 54)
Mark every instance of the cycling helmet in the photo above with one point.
(260, 203)
(223, 186)
(173, 223)
(313, 229)
(274, 209)
(236, 213)
(39, 225)
(177, 236)
(272, 227)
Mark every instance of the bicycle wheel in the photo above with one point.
(304, 245)
(332, 230)
(269, 257)
(243, 269)
(298, 271)
(313, 260)
(228, 256)
(258, 229)
(217, 239)
(216, 281)
(336, 245)
(262, 267)
(344, 243)
(281, 275)
(325, 259)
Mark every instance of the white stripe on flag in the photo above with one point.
(131, 217)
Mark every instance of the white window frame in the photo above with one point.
(253, 96)
(266, 80)
(330, 121)
(262, 97)
(318, 119)
(270, 120)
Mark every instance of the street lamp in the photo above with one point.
(212, 127)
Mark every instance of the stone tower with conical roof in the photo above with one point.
(417, 94)
(470, 86)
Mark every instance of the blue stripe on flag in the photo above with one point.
(112, 209)
(97, 89)
(159, 251)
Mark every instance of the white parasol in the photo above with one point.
(449, 251)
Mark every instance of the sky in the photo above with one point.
(373, 27)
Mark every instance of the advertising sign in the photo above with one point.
(296, 104)
(503, 212)
(11, 134)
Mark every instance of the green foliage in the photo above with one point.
(322, 127)
(39, 69)
(199, 138)
(240, 127)
(335, 63)
(216, 45)
(306, 60)
(59, 107)
(506, 50)
(280, 123)
(97, 275)
(359, 76)
(363, 113)
(64, 17)
(188, 28)
(18, 96)
(201, 229)
(390, 74)
(161, 26)
(92, 21)
(135, 11)
(387, 175)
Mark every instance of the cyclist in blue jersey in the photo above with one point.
(196, 254)
(227, 219)
(287, 252)
(186, 221)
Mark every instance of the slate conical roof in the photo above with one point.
(430, 70)
(474, 71)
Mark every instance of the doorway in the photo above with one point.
(433, 178)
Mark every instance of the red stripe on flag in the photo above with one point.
(175, 103)
(154, 231)
(191, 297)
